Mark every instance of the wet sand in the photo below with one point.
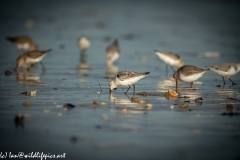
(120, 128)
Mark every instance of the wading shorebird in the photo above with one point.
(112, 52)
(226, 70)
(188, 73)
(127, 78)
(23, 43)
(83, 43)
(31, 57)
(171, 59)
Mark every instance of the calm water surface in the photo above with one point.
(121, 129)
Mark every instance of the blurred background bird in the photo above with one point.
(84, 43)
(29, 58)
(23, 43)
(171, 59)
(112, 52)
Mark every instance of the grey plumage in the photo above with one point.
(113, 47)
(123, 75)
(223, 67)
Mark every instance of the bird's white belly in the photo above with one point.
(230, 72)
(128, 82)
(24, 46)
(191, 78)
(111, 57)
(168, 60)
(84, 44)
(34, 60)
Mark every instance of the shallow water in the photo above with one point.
(121, 129)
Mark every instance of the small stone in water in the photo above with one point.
(184, 105)
(94, 103)
(149, 106)
(134, 99)
(229, 106)
(103, 103)
(199, 99)
(46, 111)
(19, 117)
(218, 85)
(26, 104)
(68, 106)
(171, 93)
(143, 93)
(7, 73)
(19, 120)
(74, 139)
(32, 93)
(141, 101)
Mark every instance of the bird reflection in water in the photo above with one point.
(126, 106)
(111, 70)
(29, 78)
(83, 68)
(112, 54)
(230, 93)
(166, 84)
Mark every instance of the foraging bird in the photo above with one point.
(23, 43)
(127, 78)
(226, 70)
(188, 73)
(84, 43)
(112, 52)
(31, 57)
(170, 58)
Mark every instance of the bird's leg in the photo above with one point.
(127, 89)
(166, 69)
(43, 68)
(223, 80)
(191, 85)
(232, 82)
(176, 84)
(172, 68)
(133, 90)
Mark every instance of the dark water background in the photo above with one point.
(133, 132)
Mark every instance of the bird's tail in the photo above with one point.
(46, 51)
(12, 39)
(146, 73)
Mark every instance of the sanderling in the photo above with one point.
(112, 52)
(170, 58)
(226, 70)
(31, 57)
(84, 43)
(127, 78)
(23, 43)
(188, 73)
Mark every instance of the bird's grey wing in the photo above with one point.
(125, 75)
(173, 55)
